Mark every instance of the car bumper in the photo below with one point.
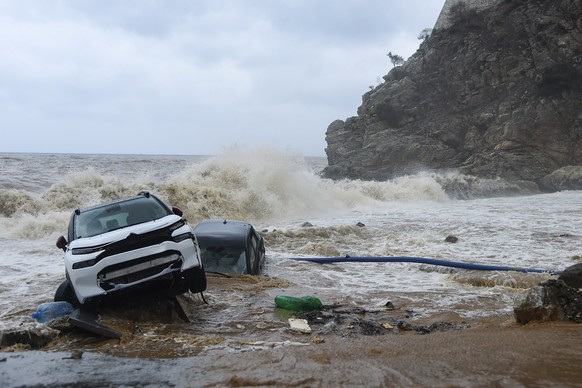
(133, 269)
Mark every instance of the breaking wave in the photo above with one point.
(459, 186)
(257, 186)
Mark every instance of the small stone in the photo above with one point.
(360, 224)
(318, 340)
(75, 355)
(390, 306)
(306, 225)
(451, 239)
(387, 326)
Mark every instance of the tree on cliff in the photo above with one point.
(396, 60)
(425, 34)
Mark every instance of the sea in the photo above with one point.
(302, 214)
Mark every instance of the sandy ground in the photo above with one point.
(249, 344)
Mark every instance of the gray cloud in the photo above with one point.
(192, 77)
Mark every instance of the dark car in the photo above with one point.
(230, 247)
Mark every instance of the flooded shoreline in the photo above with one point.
(240, 339)
(398, 324)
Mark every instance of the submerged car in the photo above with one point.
(230, 247)
(131, 244)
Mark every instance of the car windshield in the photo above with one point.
(223, 259)
(118, 215)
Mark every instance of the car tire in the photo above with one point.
(66, 293)
(197, 280)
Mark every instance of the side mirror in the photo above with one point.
(177, 211)
(62, 243)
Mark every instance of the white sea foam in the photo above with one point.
(258, 186)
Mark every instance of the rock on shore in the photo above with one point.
(553, 300)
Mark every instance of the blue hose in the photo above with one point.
(421, 260)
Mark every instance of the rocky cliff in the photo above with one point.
(496, 93)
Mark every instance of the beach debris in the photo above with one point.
(371, 328)
(246, 346)
(46, 312)
(299, 325)
(89, 321)
(294, 303)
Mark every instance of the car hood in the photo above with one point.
(123, 233)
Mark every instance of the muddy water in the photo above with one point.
(240, 339)
(234, 311)
(237, 314)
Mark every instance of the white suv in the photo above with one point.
(132, 244)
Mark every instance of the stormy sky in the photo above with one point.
(193, 77)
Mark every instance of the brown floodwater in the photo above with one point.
(239, 339)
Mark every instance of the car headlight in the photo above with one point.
(177, 225)
(88, 250)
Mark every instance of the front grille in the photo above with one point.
(136, 241)
(137, 270)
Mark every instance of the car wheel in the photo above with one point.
(66, 293)
(197, 280)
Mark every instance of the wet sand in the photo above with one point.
(239, 339)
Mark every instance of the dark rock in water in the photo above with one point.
(572, 276)
(306, 225)
(360, 224)
(553, 300)
(390, 306)
(451, 239)
(494, 93)
(565, 178)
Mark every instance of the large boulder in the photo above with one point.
(553, 300)
(572, 276)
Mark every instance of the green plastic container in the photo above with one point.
(293, 303)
